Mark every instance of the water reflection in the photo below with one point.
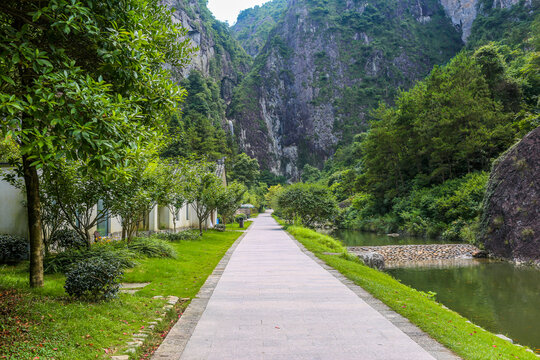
(358, 238)
(498, 296)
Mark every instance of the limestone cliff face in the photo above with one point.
(464, 12)
(226, 66)
(323, 69)
(510, 225)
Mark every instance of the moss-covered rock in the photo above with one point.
(510, 226)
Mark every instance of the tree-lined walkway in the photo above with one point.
(274, 302)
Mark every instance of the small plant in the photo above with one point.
(152, 247)
(68, 239)
(240, 216)
(13, 249)
(93, 279)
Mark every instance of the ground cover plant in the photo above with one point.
(446, 326)
(45, 323)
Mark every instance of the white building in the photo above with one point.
(14, 218)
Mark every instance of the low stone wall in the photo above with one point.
(417, 253)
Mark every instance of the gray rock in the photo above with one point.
(372, 259)
(501, 336)
(510, 225)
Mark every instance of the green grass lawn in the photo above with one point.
(446, 326)
(46, 324)
(235, 226)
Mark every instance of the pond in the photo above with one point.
(359, 238)
(499, 296)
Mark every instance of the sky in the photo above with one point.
(228, 10)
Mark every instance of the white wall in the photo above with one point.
(13, 216)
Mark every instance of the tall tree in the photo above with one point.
(84, 80)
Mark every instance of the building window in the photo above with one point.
(103, 225)
(187, 212)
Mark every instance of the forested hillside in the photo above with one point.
(325, 65)
(254, 25)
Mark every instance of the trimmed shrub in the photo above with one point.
(153, 248)
(240, 216)
(62, 262)
(68, 239)
(179, 236)
(93, 279)
(13, 249)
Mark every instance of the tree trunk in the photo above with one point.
(200, 227)
(88, 238)
(31, 181)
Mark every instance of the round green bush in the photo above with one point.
(68, 239)
(13, 249)
(93, 279)
(240, 216)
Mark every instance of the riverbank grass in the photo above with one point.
(444, 325)
(45, 324)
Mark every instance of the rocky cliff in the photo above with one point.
(254, 25)
(463, 13)
(219, 56)
(325, 65)
(511, 220)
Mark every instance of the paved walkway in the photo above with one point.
(275, 302)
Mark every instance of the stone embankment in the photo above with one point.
(415, 253)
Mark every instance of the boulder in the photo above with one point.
(372, 259)
(510, 226)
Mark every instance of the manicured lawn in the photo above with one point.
(235, 226)
(446, 326)
(46, 324)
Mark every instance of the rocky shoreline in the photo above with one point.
(386, 256)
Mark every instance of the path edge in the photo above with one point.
(176, 340)
(424, 340)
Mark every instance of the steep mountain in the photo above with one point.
(219, 55)
(216, 69)
(254, 25)
(325, 65)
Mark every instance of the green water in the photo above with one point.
(358, 238)
(497, 296)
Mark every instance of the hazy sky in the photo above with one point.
(228, 10)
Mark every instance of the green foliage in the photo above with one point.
(69, 188)
(68, 239)
(117, 255)
(186, 235)
(310, 174)
(319, 242)
(13, 249)
(230, 201)
(510, 26)
(133, 198)
(205, 191)
(199, 131)
(254, 25)
(151, 247)
(79, 89)
(240, 217)
(93, 279)
(445, 127)
(244, 169)
(310, 204)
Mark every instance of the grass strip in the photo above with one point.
(45, 324)
(444, 325)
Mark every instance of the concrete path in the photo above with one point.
(275, 302)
